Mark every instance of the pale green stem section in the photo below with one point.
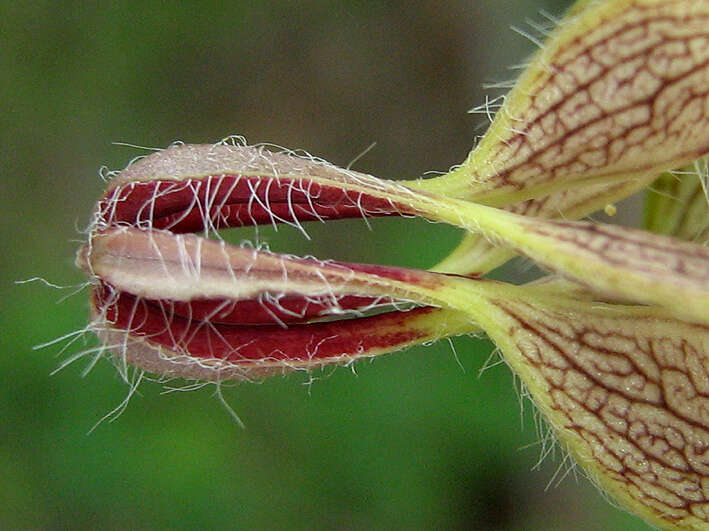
(477, 255)
(579, 252)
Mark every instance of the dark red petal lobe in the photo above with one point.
(266, 311)
(234, 201)
(247, 343)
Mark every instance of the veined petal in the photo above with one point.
(618, 90)
(625, 390)
(625, 263)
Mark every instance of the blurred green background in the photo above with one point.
(411, 441)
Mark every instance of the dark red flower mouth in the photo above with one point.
(200, 308)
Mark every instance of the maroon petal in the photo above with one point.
(190, 188)
(172, 345)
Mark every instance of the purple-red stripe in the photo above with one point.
(207, 339)
(233, 201)
(265, 311)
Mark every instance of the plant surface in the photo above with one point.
(612, 345)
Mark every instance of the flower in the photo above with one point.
(613, 345)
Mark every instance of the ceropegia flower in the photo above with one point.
(613, 347)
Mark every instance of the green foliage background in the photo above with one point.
(412, 440)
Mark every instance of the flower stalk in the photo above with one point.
(613, 347)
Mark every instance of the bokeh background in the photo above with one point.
(414, 440)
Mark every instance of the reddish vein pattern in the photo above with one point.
(576, 202)
(481, 254)
(635, 250)
(608, 99)
(634, 390)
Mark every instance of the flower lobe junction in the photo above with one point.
(182, 305)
